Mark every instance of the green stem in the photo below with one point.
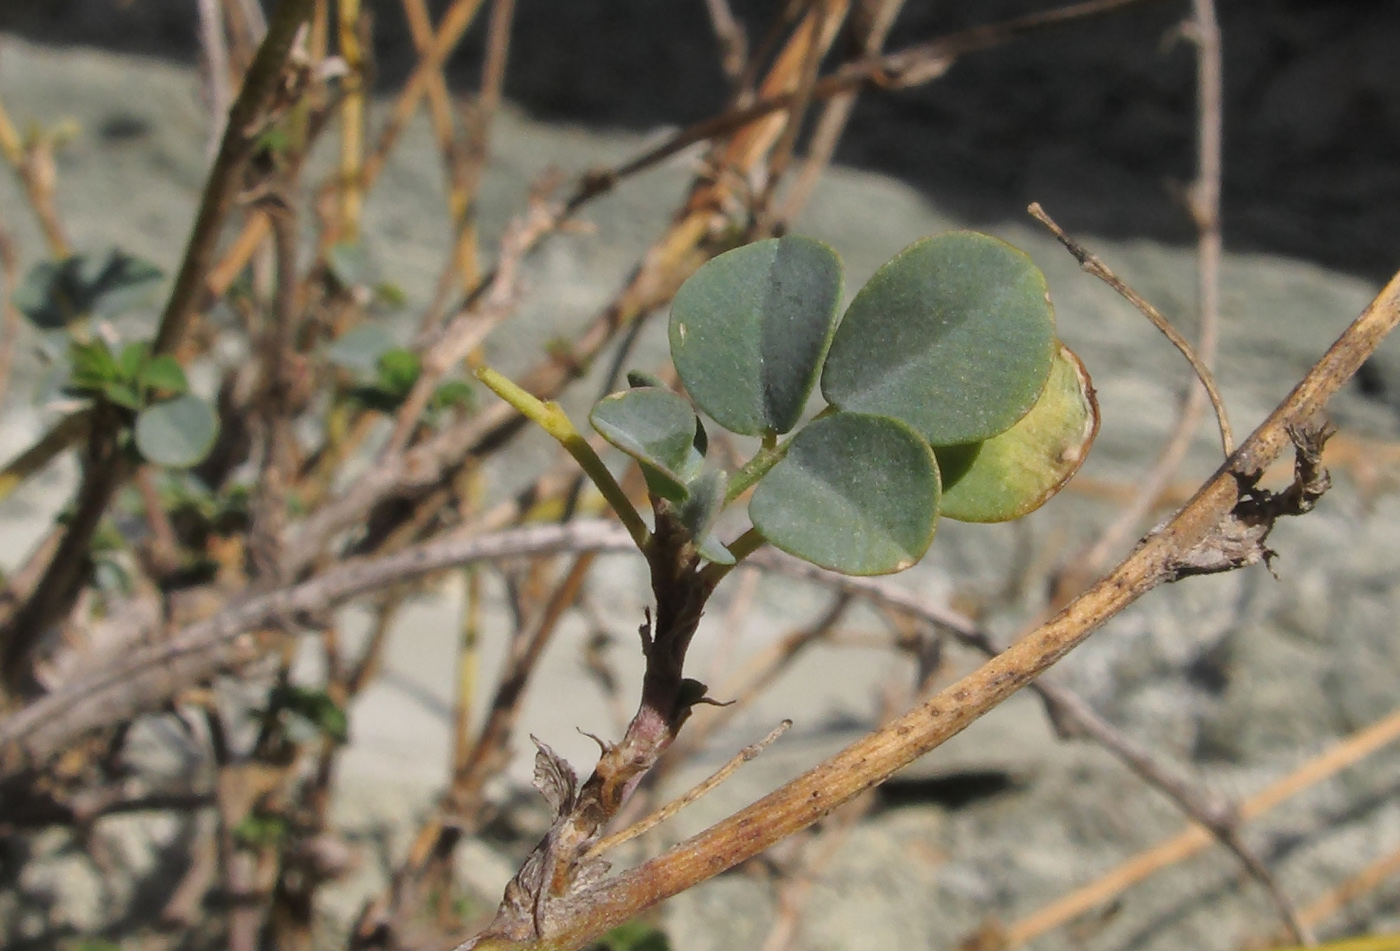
(766, 458)
(755, 469)
(553, 420)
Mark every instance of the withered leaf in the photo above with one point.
(555, 779)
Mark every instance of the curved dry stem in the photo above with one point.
(1205, 211)
(115, 689)
(1091, 263)
(694, 794)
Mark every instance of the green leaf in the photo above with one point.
(132, 357)
(360, 349)
(389, 296)
(94, 367)
(260, 828)
(954, 336)
(177, 432)
(749, 331)
(705, 500)
(855, 493)
(654, 426)
(165, 374)
(398, 371)
(103, 284)
(123, 394)
(1013, 474)
(454, 394)
(313, 706)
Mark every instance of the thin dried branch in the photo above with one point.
(693, 795)
(1222, 528)
(352, 121)
(1211, 811)
(276, 409)
(733, 44)
(1347, 753)
(259, 93)
(144, 678)
(1352, 890)
(468, 667)
(449, 346)
(105, 467)
(823, 22)
(1072, 716)
(1204, 197)
(870, 23)
(218, 92)
(490, 752)
(34, 165)
(478, 152)
(450, 30)
(1094, 265)
(9, 313)
(70, 430)
(906, 68)
(462, 262)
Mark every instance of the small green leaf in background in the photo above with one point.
(389, 297)
(177, 432)
(124, 394)
(855, 493)
(1015, 473)
(92, 944)
(259, 829)
(954, 336)
(454, 394)
(633, 936)
(93, 366)
(133, 356)
(749, 331)
(360, 349)
(398, 371)
(657, 428)
(102, 284)
(315, 707)
(163, 373)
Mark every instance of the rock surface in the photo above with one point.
(1242, 677)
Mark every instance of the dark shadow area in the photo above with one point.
(953, 792)
(1094, 120)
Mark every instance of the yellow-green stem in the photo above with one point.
(552, 419)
